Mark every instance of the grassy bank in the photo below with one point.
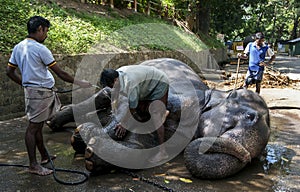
(74, 31)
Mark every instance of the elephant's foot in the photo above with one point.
(61, 118)
(77, 142)
(94, 164)
(213, 158)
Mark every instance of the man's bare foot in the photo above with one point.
(44, 161)
(39, 170)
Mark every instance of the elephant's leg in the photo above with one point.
(99, 101)
(215, 157)
(61, 118)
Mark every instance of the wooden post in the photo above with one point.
(112, 4)
(135, 5)
(237, 72)
(148, 7)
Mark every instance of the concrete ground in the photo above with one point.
(279, 171)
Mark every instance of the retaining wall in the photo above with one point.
(89, 68)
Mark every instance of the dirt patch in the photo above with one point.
(103, 10)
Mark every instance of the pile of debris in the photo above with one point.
(273, 78)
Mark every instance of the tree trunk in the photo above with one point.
(295, 27)
(202, 17)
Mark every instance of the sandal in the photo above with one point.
(44, 162)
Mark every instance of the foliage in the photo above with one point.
(74, 32)
(278, 19)
(11, 29)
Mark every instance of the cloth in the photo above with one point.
(40, 104)
(142, 83)
(137, 83)
(33, 60)
(256, 56)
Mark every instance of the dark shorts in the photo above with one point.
(253, 77)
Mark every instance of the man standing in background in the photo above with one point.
(256, 52)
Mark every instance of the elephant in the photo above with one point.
(219, 132)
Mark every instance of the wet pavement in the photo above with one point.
(278, 171)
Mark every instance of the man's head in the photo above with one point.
(108, 77)
(259, 38)
(37, 27)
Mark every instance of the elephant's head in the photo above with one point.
(234, 128)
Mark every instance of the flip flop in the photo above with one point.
(44, 162)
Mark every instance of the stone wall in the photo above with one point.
(89, 67)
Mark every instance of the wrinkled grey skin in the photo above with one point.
(233, 127)
(245, 124)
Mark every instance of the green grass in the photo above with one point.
(74, 32)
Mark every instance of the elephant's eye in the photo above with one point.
(250, 116)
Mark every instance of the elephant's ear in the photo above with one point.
(212, 98)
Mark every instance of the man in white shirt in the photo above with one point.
(34, 60)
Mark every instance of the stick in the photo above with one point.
(237, 72)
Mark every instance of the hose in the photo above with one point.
(86, 176)
(55, 170)
(61, 90)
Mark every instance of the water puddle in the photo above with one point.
(281, 163)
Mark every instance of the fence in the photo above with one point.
(151, 7)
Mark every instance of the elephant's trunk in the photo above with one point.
(215, 157)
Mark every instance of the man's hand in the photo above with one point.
(263, 64)
(242, 56)
(120, 131)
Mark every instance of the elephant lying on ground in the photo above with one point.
(219, 132)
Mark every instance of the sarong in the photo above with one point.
(40, 104)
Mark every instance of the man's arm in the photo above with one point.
(244, 55)
(271, 59)
(68, 78)
(12, 74)
(269, 62)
